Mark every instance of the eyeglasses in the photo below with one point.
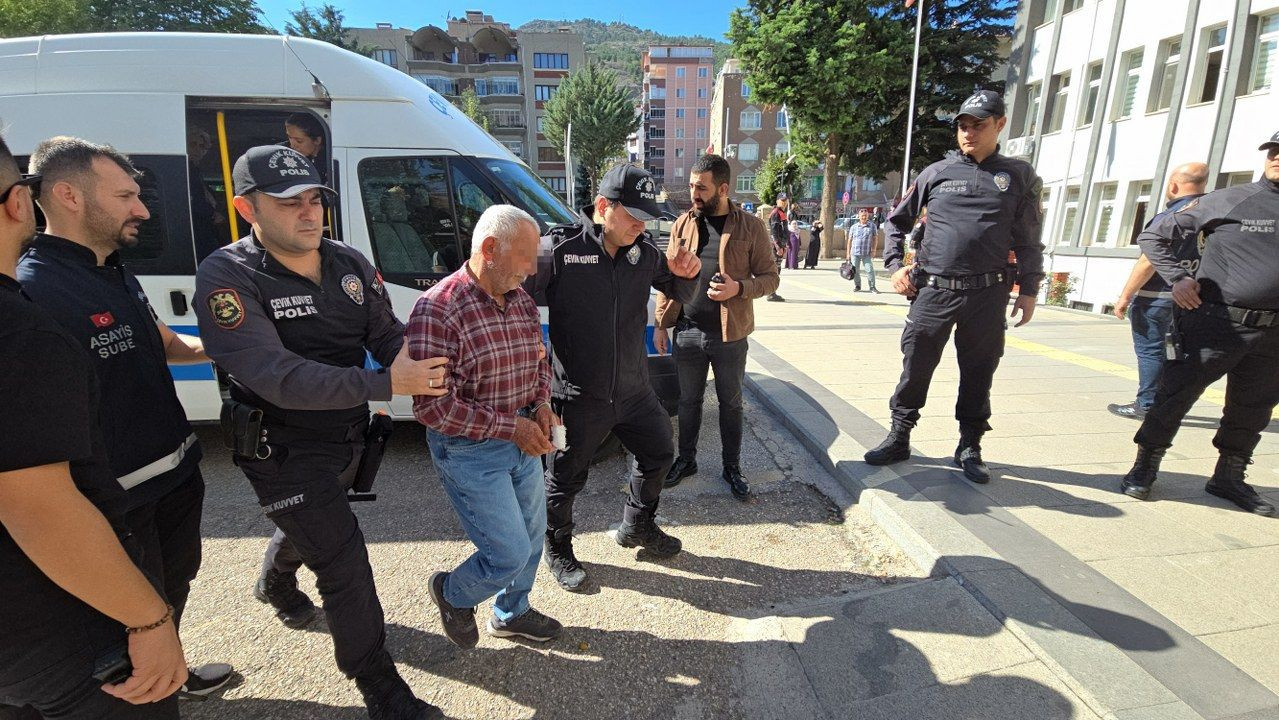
(31, 181)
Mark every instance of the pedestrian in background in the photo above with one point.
(1227, 324)
(777, 230)
(487, 437)
(860, 250)
(792, 245)
(1147, 298)
(814, 245)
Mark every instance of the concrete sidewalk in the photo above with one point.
(1164, 609)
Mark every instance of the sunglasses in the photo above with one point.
(30, 181)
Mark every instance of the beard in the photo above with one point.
(709, 207)
(107, 230)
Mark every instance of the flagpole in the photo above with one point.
(568, 167)
(914, 81)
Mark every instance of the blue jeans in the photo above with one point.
(868, 261)
(498, 494)
(1150, 319)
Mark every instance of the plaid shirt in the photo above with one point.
(493, 357)
(861, 237)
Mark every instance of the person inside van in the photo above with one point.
(306, 135)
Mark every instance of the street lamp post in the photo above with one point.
(914, 81)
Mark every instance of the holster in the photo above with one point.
(379, 431)
(242, 430)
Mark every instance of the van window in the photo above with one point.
(410, 216)
(472, 194)
(531, 192)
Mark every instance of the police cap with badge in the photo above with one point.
(982, 104)
(635, 190)
(1271, 144)
(280, 172)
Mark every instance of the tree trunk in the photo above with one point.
(831, 177)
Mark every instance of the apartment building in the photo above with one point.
(514, 73)
(1106, 96)
(676, 107)
(745, 132)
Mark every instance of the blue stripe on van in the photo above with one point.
(198, 372)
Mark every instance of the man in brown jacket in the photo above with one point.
(710, 332)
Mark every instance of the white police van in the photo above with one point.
(412, 173)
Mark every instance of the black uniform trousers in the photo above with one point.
(302, 486)
(1213, 347)
(977, 316)
(168, 532)
(643, 428)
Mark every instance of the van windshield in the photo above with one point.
(538, 199)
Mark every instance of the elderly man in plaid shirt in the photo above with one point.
(487, 436)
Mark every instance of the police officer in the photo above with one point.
(93, 210)
(70, 588)
(597, 284)
(980, 205)
(1227, 324)
(289, 315)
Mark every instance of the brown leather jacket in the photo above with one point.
(745, 255)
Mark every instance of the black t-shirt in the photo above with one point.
(702, 311)
(49, 393)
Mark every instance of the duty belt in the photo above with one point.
(967, 282)
(1244, 316)
(276, 433)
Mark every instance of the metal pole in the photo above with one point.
(571, 176)
(914, 80)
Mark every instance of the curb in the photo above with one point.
(1104, 678)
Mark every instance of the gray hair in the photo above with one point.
(501, 222)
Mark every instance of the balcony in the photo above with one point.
(504, 119)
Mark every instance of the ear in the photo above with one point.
(245, 207)
(13, 206)
(489, 248)
(600, 206)
(1000, 123)
(61, 195)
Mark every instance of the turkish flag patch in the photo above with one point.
(102, 320)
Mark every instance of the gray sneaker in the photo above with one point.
(459, 623)
(532, 625)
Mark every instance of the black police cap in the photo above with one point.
(982, 104)
(276, 171)
(635, 189)
(1273, 142)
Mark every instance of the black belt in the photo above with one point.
(281, 434)
(967, 282)
(1244, 316)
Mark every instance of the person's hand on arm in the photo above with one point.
(429, 377)
(1185, 292)
(180, 349)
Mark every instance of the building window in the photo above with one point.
(387, 57)
(679, 152)
(1127, 90)
(870, 186)
(701, 133)
(679, 72)
(701, 113)
(782, 122)
(1104, 195)
(703, 72)
(815, 185)
(549, 154)
(679, 171)
(746, 183)
(558, 184)
(1239, 178)
(657, 93)
(1071, 5)
(746, 89)
(1165, 75)
(782, 148)
(1267, 54)
(441, 85)
(553, 61)
(1138, 209)
(701, 92)
(1032, 109)
(515, 146)
(679, 133)
(497, 86)
(748, 151)
(505, 117)
(1059, 92)
(541, 124)
(679, 112)
(750, 120)
(679, 92)
(1088, 104)
(544, 92)
(1070, 215)
(1212, 56)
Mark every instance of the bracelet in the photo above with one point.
(168, 615)
(538, 406)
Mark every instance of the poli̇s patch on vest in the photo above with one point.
(633, 255)
(1002, 181)
(354, 288)
(226, 308)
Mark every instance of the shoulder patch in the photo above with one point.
(226, 308)
(353, 288)
(1187, 206)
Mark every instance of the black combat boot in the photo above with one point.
(645, 533)
(894, 449)
(1142, 475)
(388, 697)
(280, 590)
(1227, 483)
(559, 557)
(968, 457)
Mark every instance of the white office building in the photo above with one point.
(1106, 96)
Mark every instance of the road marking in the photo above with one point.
(1046, 351)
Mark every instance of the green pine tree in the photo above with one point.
(325, 23)
(602, 114)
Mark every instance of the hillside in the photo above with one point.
(619, 45)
